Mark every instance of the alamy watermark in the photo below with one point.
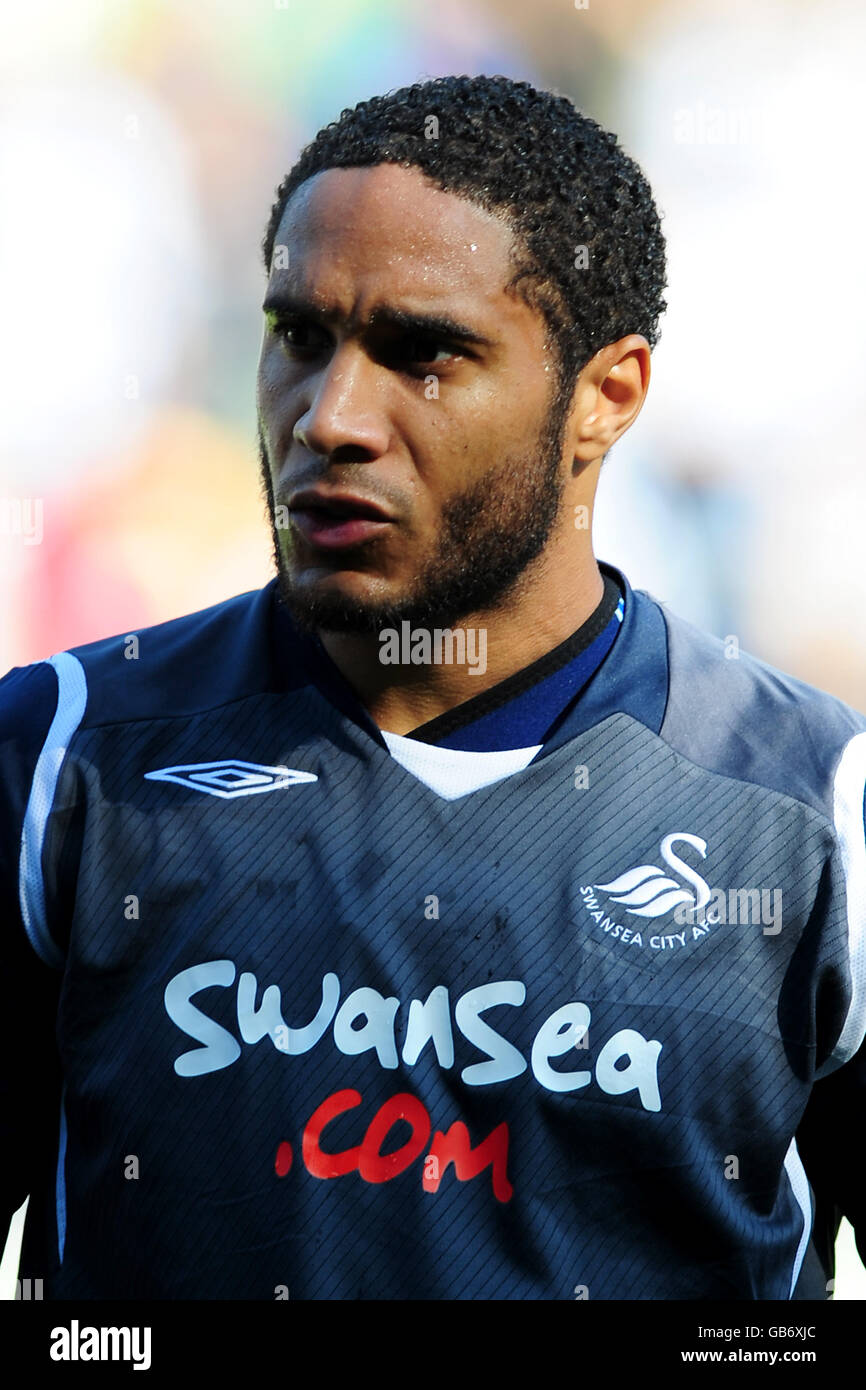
(747, 906)
(77, 1343)
(438, 646)
(702, 124)
(22, 516)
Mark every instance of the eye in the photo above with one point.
(421, 350)
(297, 335)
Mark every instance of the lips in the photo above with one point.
(337, 504)
(337, 520)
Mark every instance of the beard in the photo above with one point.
(490, 533)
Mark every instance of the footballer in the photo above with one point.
(446, 919)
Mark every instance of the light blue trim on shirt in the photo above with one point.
(800, 1188)
(848, 813)
(60, 1181)
(71, 703)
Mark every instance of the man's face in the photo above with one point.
(410, 425)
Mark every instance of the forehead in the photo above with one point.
(388, 229)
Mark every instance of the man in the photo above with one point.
(446, 919)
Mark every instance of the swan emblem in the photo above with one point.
(648, 892)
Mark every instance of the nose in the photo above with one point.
(345, 419)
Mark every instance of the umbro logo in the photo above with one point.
(231, 777)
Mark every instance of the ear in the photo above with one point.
(608, 396)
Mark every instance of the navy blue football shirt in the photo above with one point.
(297, 1006)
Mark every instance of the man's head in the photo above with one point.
(459, 273)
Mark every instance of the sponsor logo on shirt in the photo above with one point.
(365, 1022)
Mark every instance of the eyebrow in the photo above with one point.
(436, 325)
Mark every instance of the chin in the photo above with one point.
(331, 606)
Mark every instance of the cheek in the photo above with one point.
(275, 413)
(273, 385)
(453, 436)
(459, 450)
(264, 396)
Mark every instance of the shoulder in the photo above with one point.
(28, 699)
(28, 706)
(732, 713)
(180, 667)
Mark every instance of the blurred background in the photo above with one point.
(140, 146)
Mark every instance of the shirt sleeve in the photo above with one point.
(832, 1144)
(831, 1138)
(29, 985)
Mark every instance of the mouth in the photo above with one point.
(337, 520)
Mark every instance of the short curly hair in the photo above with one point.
(590, 249)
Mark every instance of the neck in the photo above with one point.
(557, 595)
